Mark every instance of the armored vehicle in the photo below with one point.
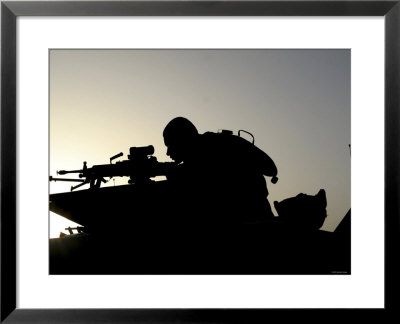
(155, 227)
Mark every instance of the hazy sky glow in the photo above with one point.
(295, 102)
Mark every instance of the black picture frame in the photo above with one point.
(10, 10)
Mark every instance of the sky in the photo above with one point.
(296, 103)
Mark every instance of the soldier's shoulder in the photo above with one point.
(209, 136)
(228, 140)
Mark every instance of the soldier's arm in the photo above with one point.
(265, 163)
(257, 157)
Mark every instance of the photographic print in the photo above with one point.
(200, 161)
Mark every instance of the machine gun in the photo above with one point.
(140, 167)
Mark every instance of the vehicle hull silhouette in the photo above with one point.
(151, 229)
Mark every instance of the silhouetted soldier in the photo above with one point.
(220, 176)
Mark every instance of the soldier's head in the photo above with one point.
(179, 136)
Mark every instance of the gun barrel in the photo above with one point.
(62, 172)
(62, 179)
